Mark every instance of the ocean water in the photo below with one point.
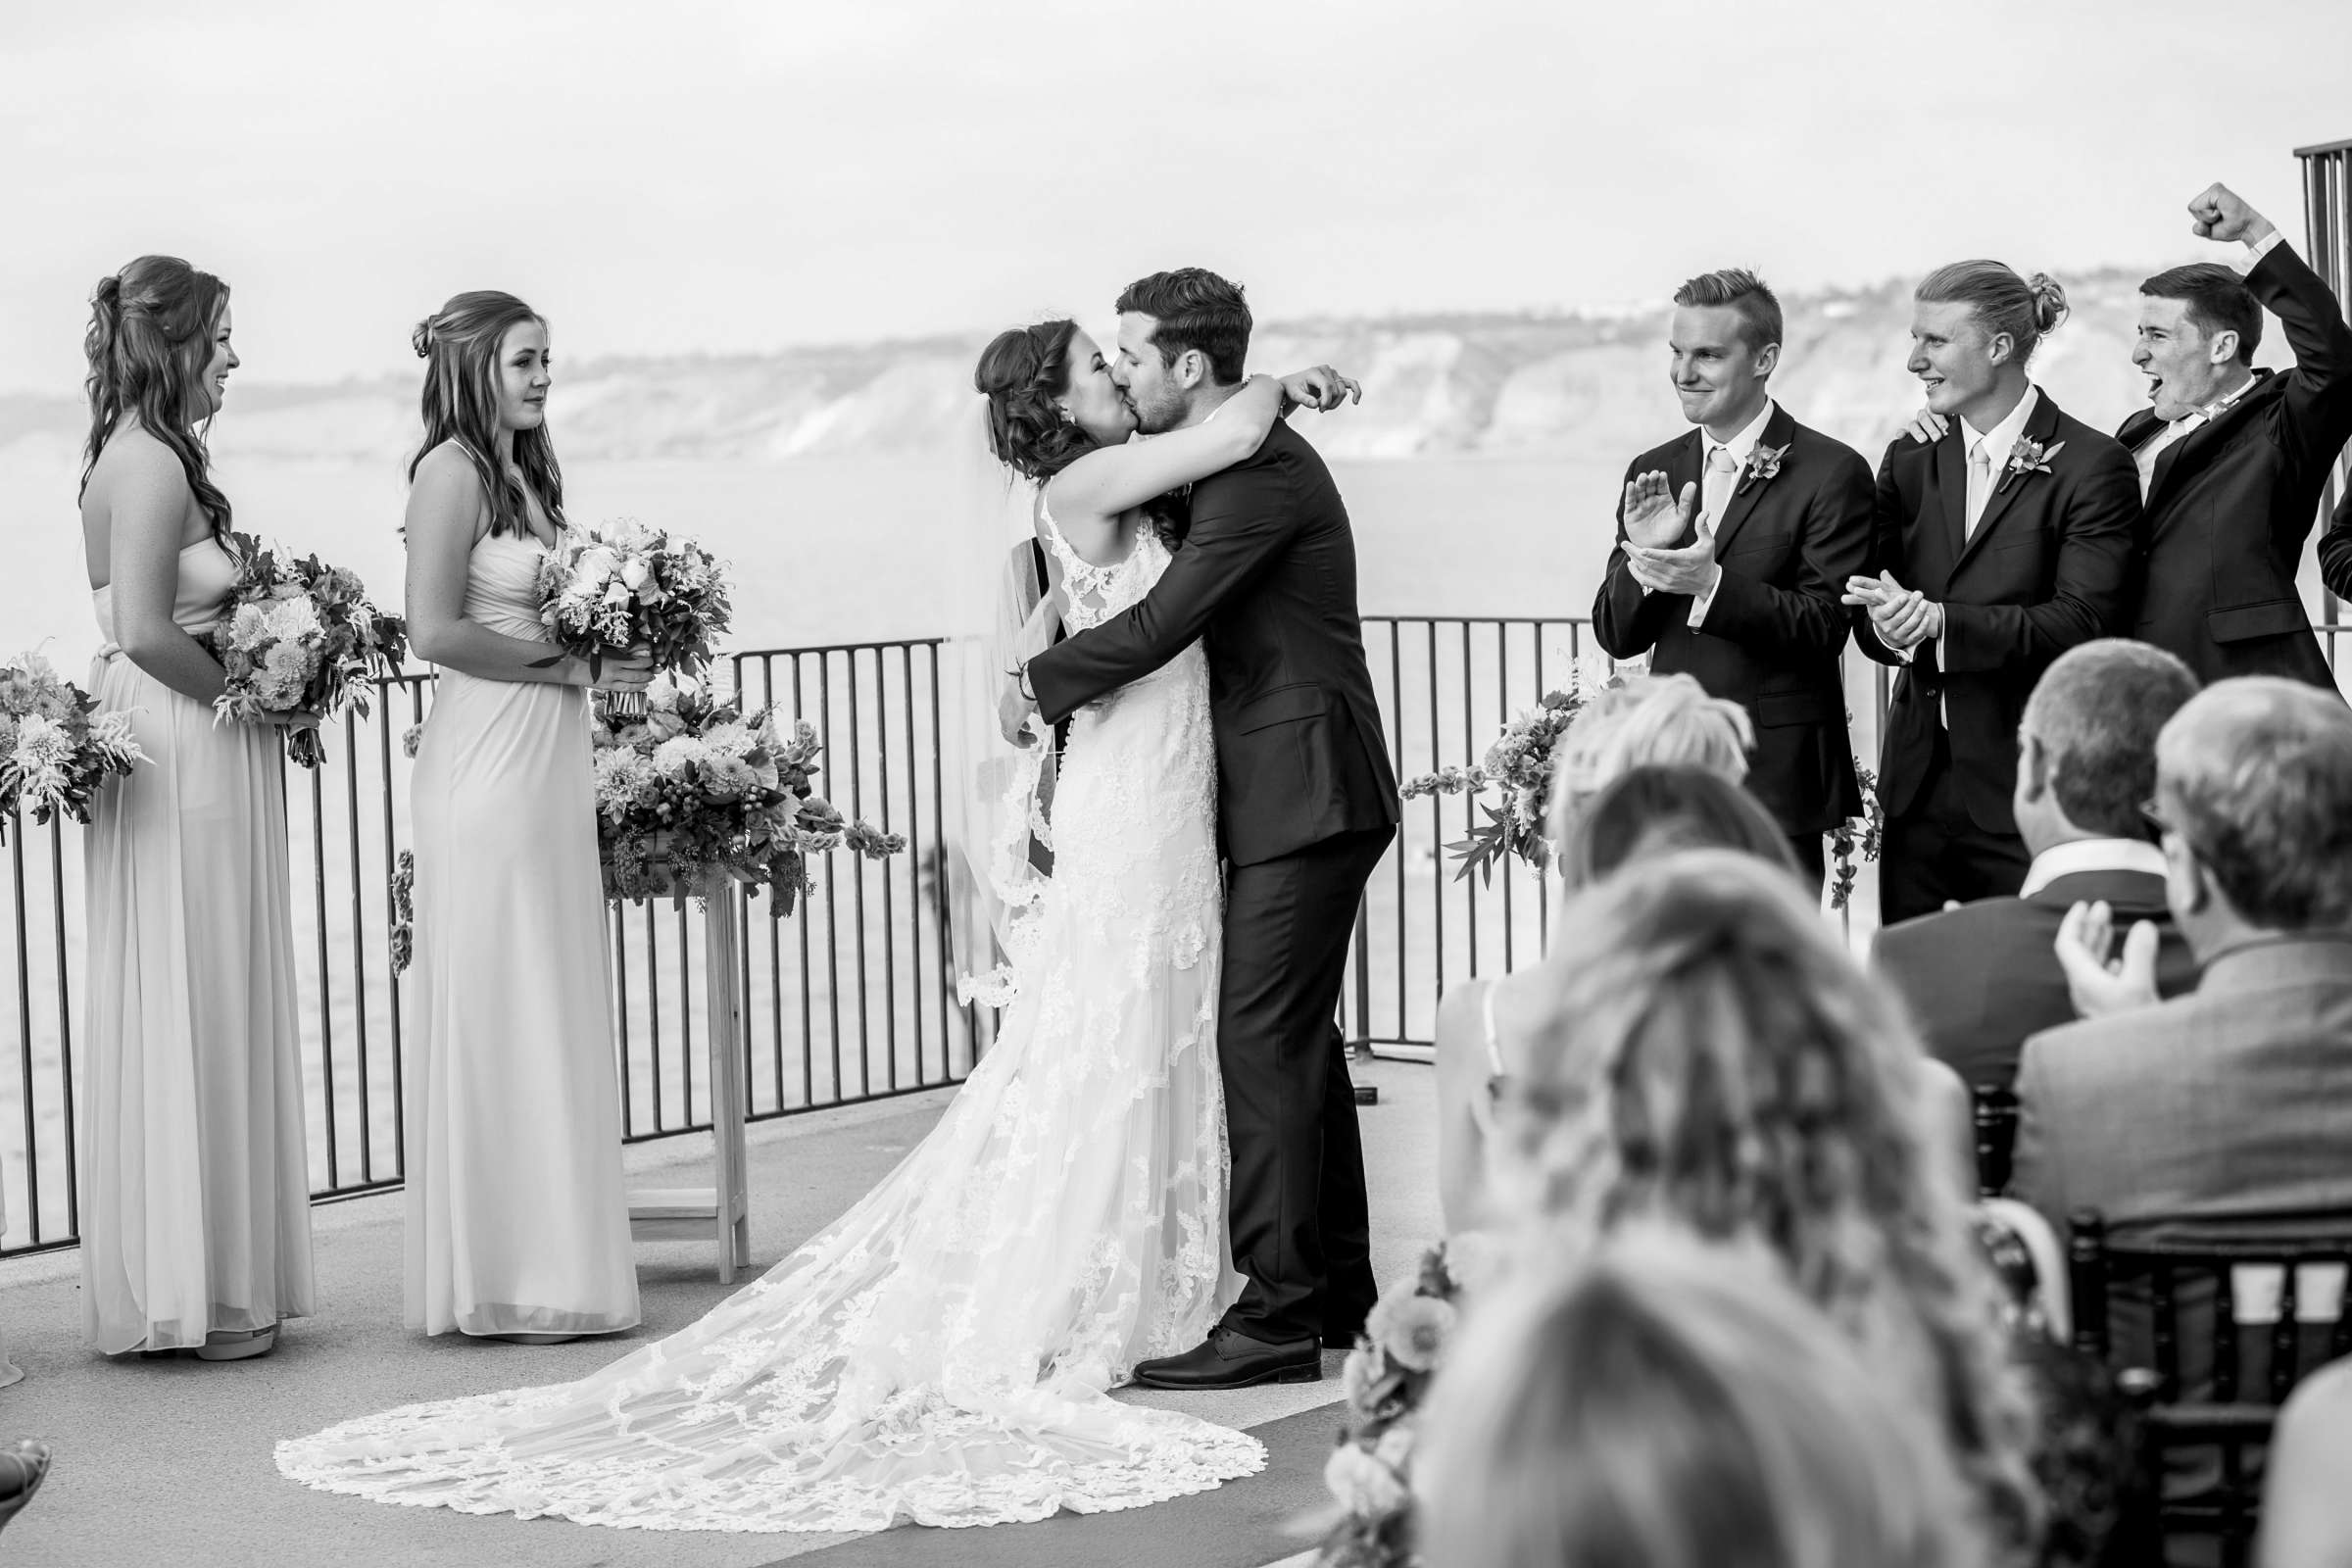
(845, 549)
(823, 552)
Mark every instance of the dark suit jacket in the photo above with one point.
(2233, 502)
(2044, 570)
(1773, 635)
(1980, 978)
(1266, 580)
(2224, 1115)
(2335, 550)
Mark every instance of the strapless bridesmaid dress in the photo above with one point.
(195, 1184)
(517, 1221)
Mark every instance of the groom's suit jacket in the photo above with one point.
(2045, 569)
(1266, 579)
(2231, 502)
(1772, 637)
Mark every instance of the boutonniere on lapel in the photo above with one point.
(2029, 456)
(1763, 465)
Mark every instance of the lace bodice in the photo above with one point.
(1097, 593)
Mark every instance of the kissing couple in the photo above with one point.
(1173, 804)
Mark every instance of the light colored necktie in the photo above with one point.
(1717, 492)
(1980, 486)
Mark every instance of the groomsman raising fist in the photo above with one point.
(2232, 460)
(1734, 542)
(1997, 548)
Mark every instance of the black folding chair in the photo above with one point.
(1995, 1107)
(2208, 1419)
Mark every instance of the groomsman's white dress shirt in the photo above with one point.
(1720, 468)
(1987, 455)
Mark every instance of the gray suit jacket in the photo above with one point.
(2225, 1113)
(2222, 1115)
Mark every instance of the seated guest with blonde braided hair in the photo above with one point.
(1645, 719)
(1707, 1052)
(1649, 810)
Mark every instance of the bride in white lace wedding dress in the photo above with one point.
(943, 1353)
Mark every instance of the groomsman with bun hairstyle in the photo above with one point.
(1997, 548)
(1734, 542)
(2232, 461)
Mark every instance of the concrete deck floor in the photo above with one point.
(170, 1461)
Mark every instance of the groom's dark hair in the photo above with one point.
(1195, 309)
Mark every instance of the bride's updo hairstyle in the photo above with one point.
(1021, 372)
(2025, 308)
(460, 346)
(149, 341)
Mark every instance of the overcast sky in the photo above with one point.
(659, 176)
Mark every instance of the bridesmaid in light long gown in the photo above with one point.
(517, 1224)
(195, 1226)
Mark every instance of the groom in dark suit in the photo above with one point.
(1307, 806)
(2232, 461)
(1997, 548)
(1734, 543)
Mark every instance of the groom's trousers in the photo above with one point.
(1302, 1225)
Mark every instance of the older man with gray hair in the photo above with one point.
(2231, 1105)
(1983, 978)
(2225, 1115)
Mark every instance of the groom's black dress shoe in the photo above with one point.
(1232, 1360)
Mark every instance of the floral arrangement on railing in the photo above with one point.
(697, 785)
(300, 636)
(1520, 763)
(1386, 1377)
(624, 585)
(56, 748)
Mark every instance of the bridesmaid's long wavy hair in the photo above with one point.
(149, 341)
(460, 345)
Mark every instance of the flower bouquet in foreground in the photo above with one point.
(622, 586)
(1520, 764)
(1386, 1380)
(56, 748)
(300, 636)
(697, 785)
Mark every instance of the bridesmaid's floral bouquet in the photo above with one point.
(1386, 1380)
(622, 585)
(56, 748)
(1520, 764)
(300, 636)
(697, 785)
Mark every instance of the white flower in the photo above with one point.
(633, 573)
(679, 753)
(1365, 1487)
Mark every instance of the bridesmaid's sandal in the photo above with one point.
(24, 1467)
(237, 1345)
